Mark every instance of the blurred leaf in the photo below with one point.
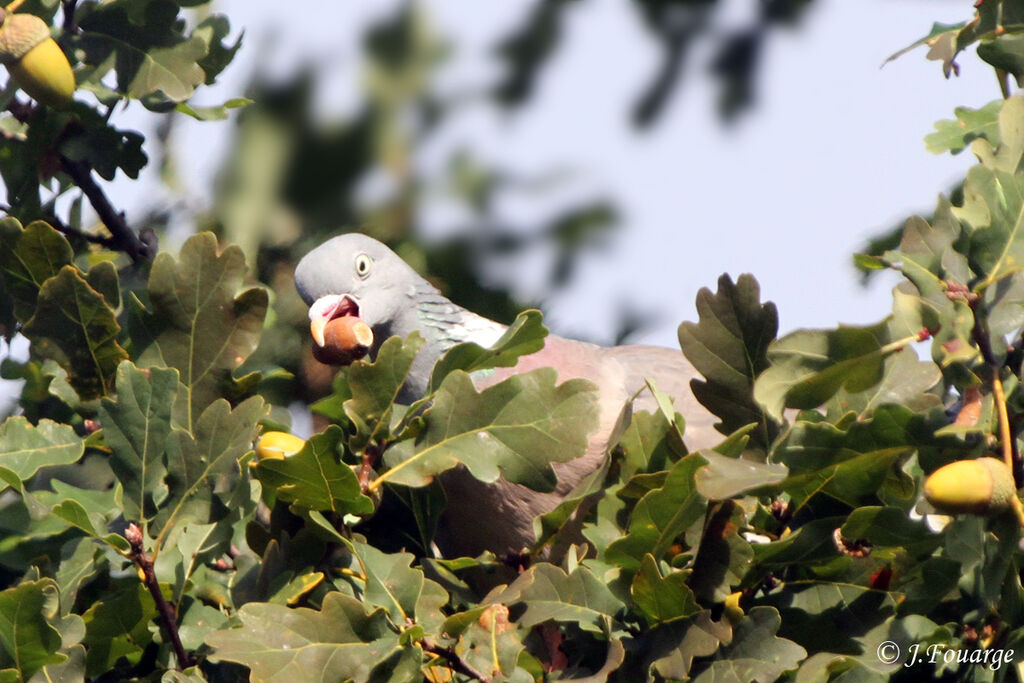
(199, 323)
(142, 42)
(315, 477)
(105, 148)
(25, 448)
(954, 136)
(213, 30)
(29, 641)
(728, 346)
(137, 426)
(339, 642)
(993, 204)
(528, 48)
(514, 429)
(74, 325)
(216, 113)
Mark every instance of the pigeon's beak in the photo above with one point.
(327, 308)
(316, 328)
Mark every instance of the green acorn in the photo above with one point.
(979, 487)
(34, 59)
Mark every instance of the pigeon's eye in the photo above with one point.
(362, 265)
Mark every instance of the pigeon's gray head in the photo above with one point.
(353, 274)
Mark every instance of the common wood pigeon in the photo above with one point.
(353, 274)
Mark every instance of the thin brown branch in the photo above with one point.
(60, 226)
(168, 619)
(70, 25)
(124, 239)
(371, 456)
(455, 662)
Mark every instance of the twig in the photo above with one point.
(371, 456)
(123, 238)
(166, 612)
(60, 226)
(68, 6)
(455, 662)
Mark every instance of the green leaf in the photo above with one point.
(514, 429)
(524, 336)
(724, 477)
(755, 654)
(723, 556)
(550, 594)
(651, 443)
(339, 642)
(205, 466)
(200, 323)
(24, 448)
(993, 204)
(141, 40)
(136, 426)
(28, 258)
(662, 598)
(830, 616)
(29, 641)
(660, 516)
(374, 387)
(74, 325)
(118, 627)
(72, 512)
(399, 588)
(728, 346)
(215, 113)
(810, 366)
(954, 136)
(315, 477)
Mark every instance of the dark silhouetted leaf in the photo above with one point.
(728, 347)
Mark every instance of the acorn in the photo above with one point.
(346, 339)
(278, 445)
(34, 60)
(983, 486)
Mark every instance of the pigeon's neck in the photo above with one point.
(443, 324)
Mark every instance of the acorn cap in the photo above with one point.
(19, 33)
(981, 487)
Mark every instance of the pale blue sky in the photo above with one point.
(832, 154)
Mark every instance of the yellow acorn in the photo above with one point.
(34, 59)
(980, 487)
(278, 445)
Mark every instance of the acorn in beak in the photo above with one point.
(339, 335)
